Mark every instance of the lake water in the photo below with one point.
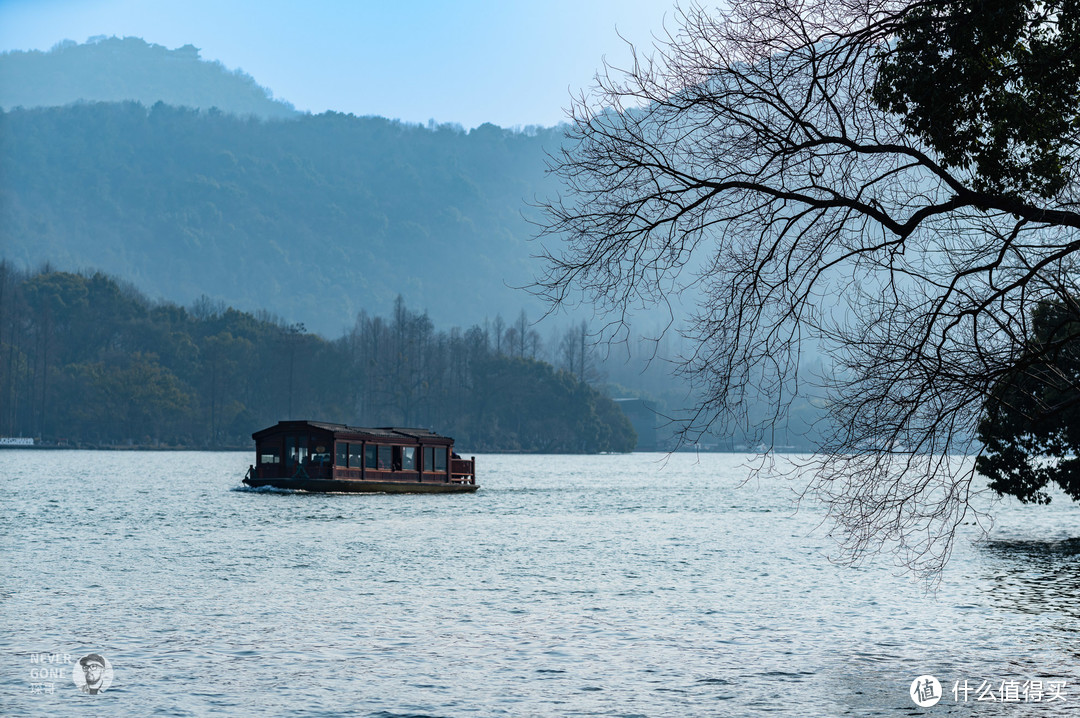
(567, 586)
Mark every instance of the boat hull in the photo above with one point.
(338, 486)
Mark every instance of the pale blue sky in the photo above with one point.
(468, 61)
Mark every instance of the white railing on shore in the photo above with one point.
(15, 441)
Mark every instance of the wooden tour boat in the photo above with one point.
(318, 456)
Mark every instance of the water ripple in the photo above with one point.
(603, 586)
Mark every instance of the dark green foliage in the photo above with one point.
(319, 217)
(87, 361)
(992, 86)
(116, 69)
(527, 405)
(1031, 424)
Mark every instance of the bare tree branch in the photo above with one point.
(746, 161)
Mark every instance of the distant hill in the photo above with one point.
(314, 218)
(116, 69)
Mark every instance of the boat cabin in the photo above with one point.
(318, 452)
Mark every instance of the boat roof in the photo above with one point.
(391, 433)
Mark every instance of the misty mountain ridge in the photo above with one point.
(314, 219)
(159, 167)
(112, 69)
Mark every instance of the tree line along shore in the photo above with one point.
(87, 361)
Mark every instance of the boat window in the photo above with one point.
(408, 458)
(321, 455)
(397, 458)
(341, 457)
(440, 458)
(386, 460)
(354, 455)
(370, 460)
(429, 458)
(295, 450)
(270, 455)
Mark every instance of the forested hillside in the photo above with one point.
(112, 69)
(314, 218)
(85, 360)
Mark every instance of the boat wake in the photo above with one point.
(244, 488)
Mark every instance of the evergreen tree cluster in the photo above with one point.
(1029, 428)
(88, 361)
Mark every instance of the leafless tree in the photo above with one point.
(517, 346)
(577, 354)
(498, 328)
(745, 161)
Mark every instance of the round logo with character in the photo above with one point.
(92, 673)
(925, 691)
